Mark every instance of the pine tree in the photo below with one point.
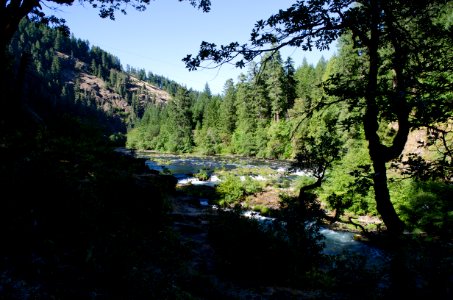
(179, 126)
(227, 112)
(275, 83)
(290, 83)
(243, 139)
(55, 68)
(199, 106)
(208, 138)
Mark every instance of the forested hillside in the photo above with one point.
(84, 78)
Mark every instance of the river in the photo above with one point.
(183, 167)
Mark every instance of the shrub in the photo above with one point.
(263, 210)
(203, 174)
(232, 189)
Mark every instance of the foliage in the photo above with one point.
(177, 129)
(261, 209)
(203, 174)
(51, 63)
(232, 189)
(351, 191)
(14, 13)
(68, 231)
(302, 181)
(117, 139)
(317, 154)
(82, 214)
(279, 140)
(240, 121)
(78, 236)
(396, 68)
(317, 151)
(208, 136)
(428, 207)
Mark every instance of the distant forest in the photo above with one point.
(255, 117)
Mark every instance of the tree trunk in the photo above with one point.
(382, 196)
(309, 187)
(379, 153)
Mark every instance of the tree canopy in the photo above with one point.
(399, 69)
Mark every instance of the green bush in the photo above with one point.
(263, 210)
(202, 175)
(251, 186)
(232, 189)
(350, 179)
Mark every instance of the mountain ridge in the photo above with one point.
(77, 73)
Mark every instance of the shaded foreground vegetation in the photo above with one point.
(79, 221)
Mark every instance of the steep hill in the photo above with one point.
(79, 74)
(66, 75)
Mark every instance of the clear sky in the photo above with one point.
(160, 37)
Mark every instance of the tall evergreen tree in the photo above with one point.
(305, 78)
(179, 124)
(259, 98)
(227, 112)
(275, 84)
(199, 106)
(290, 82)
(208, 138)
(243, 139)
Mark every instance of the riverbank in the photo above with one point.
(361, 272)
(214, 242)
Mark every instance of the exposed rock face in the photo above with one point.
(78, 72)
(158, 95)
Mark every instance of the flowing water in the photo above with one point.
(183, 168)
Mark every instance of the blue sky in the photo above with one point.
(158, 38)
